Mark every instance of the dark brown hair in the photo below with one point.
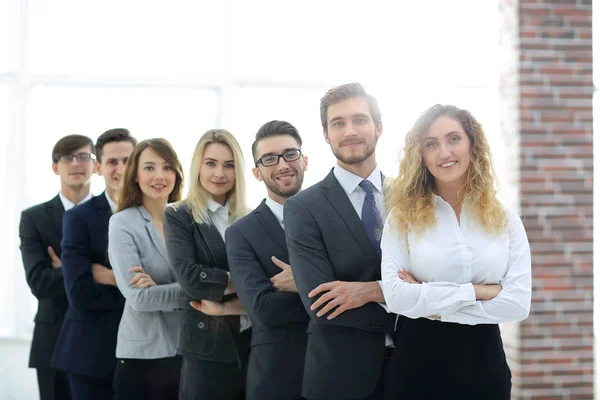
(113, 135)
(68, 144)
(346, 91)
(130, 194)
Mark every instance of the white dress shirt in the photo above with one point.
(68, 204)
(449, 258)
(219, 215)
(350, 183)
(276, 209)
(111, 203)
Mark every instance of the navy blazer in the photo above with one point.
(88, 338)
(40, 227)
(279, 320)
(327, 242)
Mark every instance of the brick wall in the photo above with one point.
(547, 90)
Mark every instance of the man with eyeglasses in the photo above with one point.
(40, 231)
(258, 262)
(87, 341)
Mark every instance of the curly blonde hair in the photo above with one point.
(410, 197)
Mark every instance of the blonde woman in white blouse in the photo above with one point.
(455, 262)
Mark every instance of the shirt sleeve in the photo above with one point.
(415, 300)
(514, 301)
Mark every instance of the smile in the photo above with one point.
(284, 177)
(448, 164)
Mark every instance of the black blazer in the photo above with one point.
(327, 242)
(88, 338)
(279, 320)
(40, 227)
(199, 262)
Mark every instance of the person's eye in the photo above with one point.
(360, 121)
(168, 168)
(210, 163)
(229, 165)
(338, 124)
(431, 145)
(113, 162)
(455, 139)
(148, 168)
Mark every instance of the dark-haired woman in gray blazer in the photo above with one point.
(148, 366)
(215, 348)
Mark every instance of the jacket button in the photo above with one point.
(201, 325)
(203, 275)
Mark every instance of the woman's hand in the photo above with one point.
(141, 279)
(406, 276)
(486, 292)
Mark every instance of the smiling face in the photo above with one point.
(284, 179)
(155, 176)
(447, 151)
(351, 131)
(112, 165)
(217, 171)
(75, 174)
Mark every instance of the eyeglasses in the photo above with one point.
(273, 159)
(81, 157)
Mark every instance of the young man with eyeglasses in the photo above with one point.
(258, 262)
(87, 341)
(40, 231)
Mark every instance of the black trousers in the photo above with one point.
(443, 360)
(53, 384)
(208, 380)
(90, 388)
(156, 379)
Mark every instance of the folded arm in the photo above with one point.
(262, 302)
(124, 255)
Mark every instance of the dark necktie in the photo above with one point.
(371, 218)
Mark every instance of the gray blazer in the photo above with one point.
(150, 326)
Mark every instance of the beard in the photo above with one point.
(355, 158)
(272, 185)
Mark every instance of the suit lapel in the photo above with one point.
(336, 195)
(55, 211)
(154, 234)
(214, 243)
(264, 214)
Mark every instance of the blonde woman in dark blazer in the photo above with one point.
(214, 348)
(147, 363)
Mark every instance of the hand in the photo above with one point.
(56, 263)
(230, 287)
(103, 275)
(141, 279)
(283, 281)
(209, 307)
(343, 295)
(406, 276)
(487, 292)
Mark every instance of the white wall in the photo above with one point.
(17, 382)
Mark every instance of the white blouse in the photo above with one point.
(449, 258)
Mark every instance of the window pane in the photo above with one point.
(384, 41)
(181, 38)
(178, 115)
(9, 18)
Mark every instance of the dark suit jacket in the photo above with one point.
(88, 338)
(327, 242)
(279, 320)
(199, 262)
(40, 227)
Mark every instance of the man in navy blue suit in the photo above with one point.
(258, 258)
(87, 340)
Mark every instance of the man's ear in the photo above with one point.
(257, 174)
(305, 162)
(326, 137)
(379, 129)
(55, 168)
(97, 168)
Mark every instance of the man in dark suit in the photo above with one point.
(257, 255)
(40, 231)
(87, 340)
(332, 234)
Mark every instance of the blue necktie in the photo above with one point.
(370, 216)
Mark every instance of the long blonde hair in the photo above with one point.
(198, 197)
(410, 198)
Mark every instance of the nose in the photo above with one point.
(120, 168)
(75, 160)
(219, 172)
(444, 151)
(282, 165)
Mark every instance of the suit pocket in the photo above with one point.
(198, 336)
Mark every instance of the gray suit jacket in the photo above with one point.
(150, 326)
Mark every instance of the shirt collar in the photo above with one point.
(350, 181)
(213, 206)
(111, 203)
(68, 204)
(276, 209)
